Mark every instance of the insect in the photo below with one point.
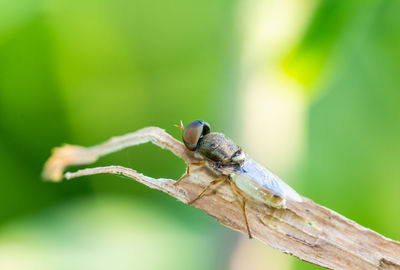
(248, 178)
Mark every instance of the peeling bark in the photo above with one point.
(306, 230)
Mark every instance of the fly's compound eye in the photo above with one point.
(194, 132)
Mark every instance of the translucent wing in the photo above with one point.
(257, 173)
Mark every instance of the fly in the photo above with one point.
(247, 177)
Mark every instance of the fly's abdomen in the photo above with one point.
(258, 193)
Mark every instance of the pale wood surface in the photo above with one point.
(306, 230)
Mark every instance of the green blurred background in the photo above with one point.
(309, 88)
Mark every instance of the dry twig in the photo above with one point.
(306, 230)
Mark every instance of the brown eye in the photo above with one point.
(194, 132)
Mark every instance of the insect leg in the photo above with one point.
(237, 191)
(212, 183)
(188, 171)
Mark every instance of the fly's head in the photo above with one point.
(194, 132)
(213, 146)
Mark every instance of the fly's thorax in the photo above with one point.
(219, 148)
